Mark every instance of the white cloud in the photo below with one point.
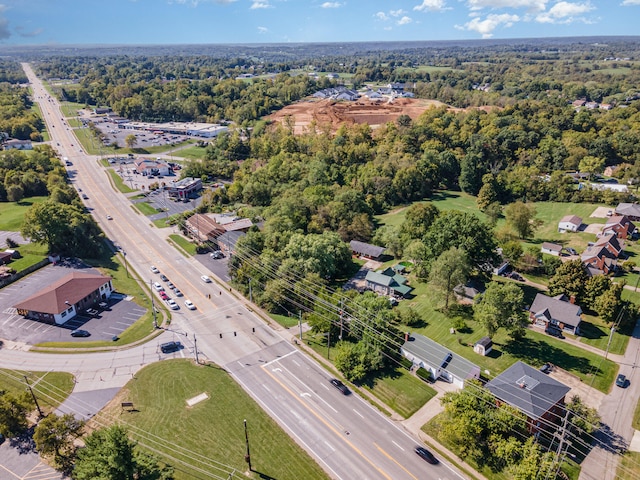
(488, 25)
(630, 2)
(404, 20)
(564, 12)
(530, 5)
(381, 16)
(260, 4)
(431, 5)
(396, 13)
(331, 5)
(263, 30)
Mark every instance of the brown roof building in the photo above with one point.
(61, 301)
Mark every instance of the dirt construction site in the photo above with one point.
(332, 113)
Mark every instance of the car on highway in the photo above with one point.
(154, 269)
(170, 347)
(163, 295)
(109, 217)
(177, 292)
(189, 304)
(172, 304)
(205, 279)
(621, 381)
(80, 333)
(163, 277)
(170, 285)
(426, 455)
(158, 287)
(340, 386)
(85, 196)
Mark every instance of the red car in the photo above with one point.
(163, 295)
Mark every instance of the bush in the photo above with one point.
(424, 374)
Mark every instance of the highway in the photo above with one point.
(345, 435)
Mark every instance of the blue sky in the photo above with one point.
(24, 22)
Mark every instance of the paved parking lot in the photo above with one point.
(112, 321)
(219, 267)
(20, 461)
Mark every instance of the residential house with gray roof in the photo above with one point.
(537, 395)
(439, 360)
(387, 282)
(557, 312)
(631, 210)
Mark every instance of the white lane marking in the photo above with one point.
(280, 358)
(397, 445)
(358, 413)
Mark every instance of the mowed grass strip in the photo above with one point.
(402, 392)
(50, 388)
(211, 431)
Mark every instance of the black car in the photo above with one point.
(340, 386)
(546, 368)
(554, 332)
(80, 333)
(170, 347)
(426, 455)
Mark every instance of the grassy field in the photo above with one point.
(70, 109)
(50, 388)
(535, 349)
(285, 320)
(191, 153)
(211, 432)
(184, 244)
(119, 182)
(629, 467)
(145, 208)
(12, 213)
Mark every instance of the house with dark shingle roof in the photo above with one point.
(555, 312)
(620, 226)
(387, 282)
(367, 250)
(61, 301)
(537, 395)
(439, 360)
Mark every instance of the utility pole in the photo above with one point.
(556, 459)
(341, 312)
(300, 323)
(35, 400)
(153, 307)
(195, 348)
(250, 294)
(328, 341)
(247, 456)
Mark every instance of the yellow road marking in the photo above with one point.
(394, 461)
(333, 429)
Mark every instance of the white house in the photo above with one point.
(569, 223)
(551, 248)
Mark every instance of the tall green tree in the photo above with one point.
(449, 270)
(522, 218)
(13, 413)
(570, 279)
(55, 435)
(110, 454)
(130, 141)
(501, 307)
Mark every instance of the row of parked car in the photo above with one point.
(172, 288)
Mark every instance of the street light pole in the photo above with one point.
(40, 414)
(153, 307)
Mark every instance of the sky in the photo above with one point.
(139, 22)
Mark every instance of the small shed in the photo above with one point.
(483, 346)
(551, 248)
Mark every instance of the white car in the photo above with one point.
(154, 269)
(158, 287)
(172, 304)
(109, 217)
(189, 304)
(205, 279)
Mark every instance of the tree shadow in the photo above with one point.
(591, 331)
(24, 442)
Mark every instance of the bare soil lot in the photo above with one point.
(333, 113)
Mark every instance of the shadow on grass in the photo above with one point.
(531, 351)
(264, 476)
(591, 331)
(388, 372)
(439, 196)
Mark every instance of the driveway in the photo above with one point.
(357, 281)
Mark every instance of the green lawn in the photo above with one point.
(50, 388)
(12, 213)
(184, 244)
(145, 208)
(535, 349)
(211, 432)
(285, 320)
(70, 109)
(402, 392)
(119, 182)
(191, 153)
(629, 467)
